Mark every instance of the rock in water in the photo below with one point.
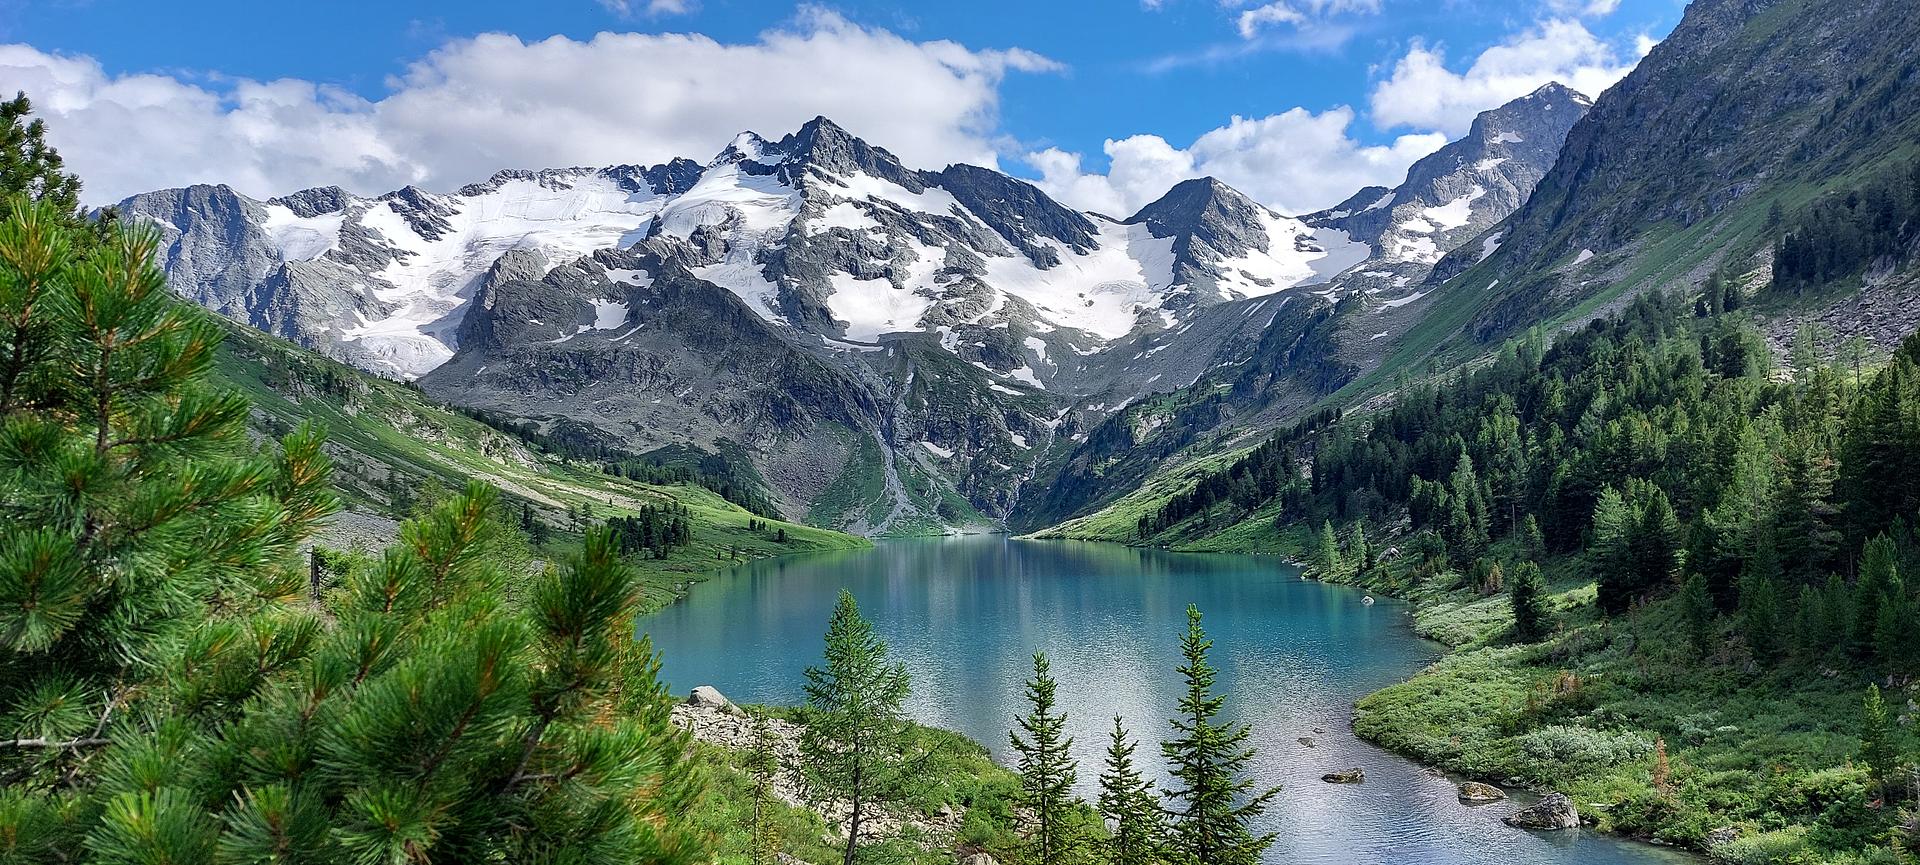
(1354, 775)
(1476, 793)
(1556, 811)
(709, 697)
(1307, 741)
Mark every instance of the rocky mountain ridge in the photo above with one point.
(896, 350)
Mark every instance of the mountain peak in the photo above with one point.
(1189, 201)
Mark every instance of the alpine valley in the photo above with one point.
(884, 349)
(1578, 467)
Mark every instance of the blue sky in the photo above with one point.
(367, 94)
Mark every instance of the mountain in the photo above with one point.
(1254, 364)
(1749, 110)
(893, 349)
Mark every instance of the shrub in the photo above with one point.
(1583, 749)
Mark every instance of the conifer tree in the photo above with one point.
(1328, 561)
(1696, 610)
(1879, 578)
(1047, 774)
(1531, 619)
(189, 700)
(1876, 738)
(1362, 550)
(854, 745)
(30, 169)
(1136, 827)
(1216, 802)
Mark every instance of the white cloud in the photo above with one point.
(1583, 8)
(1422, 93)
(476, 105)
(648, 8)
(1304, 14)
(1294, 162)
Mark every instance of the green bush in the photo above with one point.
(1583, 749)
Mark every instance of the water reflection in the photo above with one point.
(965, 616)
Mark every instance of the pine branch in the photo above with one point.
(44, 744)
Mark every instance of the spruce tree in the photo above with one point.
(1328, 560)
(1696, 611)
(1877, 749)
(854, 745)
(1531, 619)
(1047, 774)
(1879, 577)
(1136, 827)
(1216, 802)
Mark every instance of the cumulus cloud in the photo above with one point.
(1422, 93)
(477, 105)
(1295, 162)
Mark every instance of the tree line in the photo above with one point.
(856, 749)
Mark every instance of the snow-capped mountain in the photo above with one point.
(932, 341)
(1453, 195)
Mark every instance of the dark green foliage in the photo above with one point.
(1876, 738)
(1054, 835)
(29, 169)
(856, 737)
(1842, 234)
(1130, 806)
(1696, 611)
(1212, 808)
(654, 529)
(1532, 621)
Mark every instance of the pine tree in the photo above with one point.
(1328, 561)
(1363, 556)
(30, 170)
(1531, 619)
(1135, 825)
(1876, 738)
(1047, 774)
(1879, 576)
(1696, 610)
(854, 745)
(1216, 802)
(193, 702)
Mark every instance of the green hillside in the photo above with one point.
(389, 442)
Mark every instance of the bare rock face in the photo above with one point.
(1556, 811)
(1476, 793)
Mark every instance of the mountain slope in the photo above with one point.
(387, 441)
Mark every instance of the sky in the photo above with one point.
(1102, 103)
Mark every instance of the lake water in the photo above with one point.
(966, 614)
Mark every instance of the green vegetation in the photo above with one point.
(176, 690)
(1670, 571)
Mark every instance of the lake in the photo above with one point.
(966, 615)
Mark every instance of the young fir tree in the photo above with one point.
(1047, 775)
(1362, 550)
(180, 697)
(1328, 561)
(1216, 802)
(1531, 619)
(1876, 738)
(1136, 828)
(1696, 611)
(1879, 578)
(854, 745)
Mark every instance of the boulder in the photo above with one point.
(1307, 741)
(1354, 775)
(1476, 793)
(1722, 836)
(709, 697)
(1555, 811)
(979, 859)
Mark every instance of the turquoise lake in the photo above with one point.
(966, 615)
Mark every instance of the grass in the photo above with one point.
(381, 433)
(957, 777)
